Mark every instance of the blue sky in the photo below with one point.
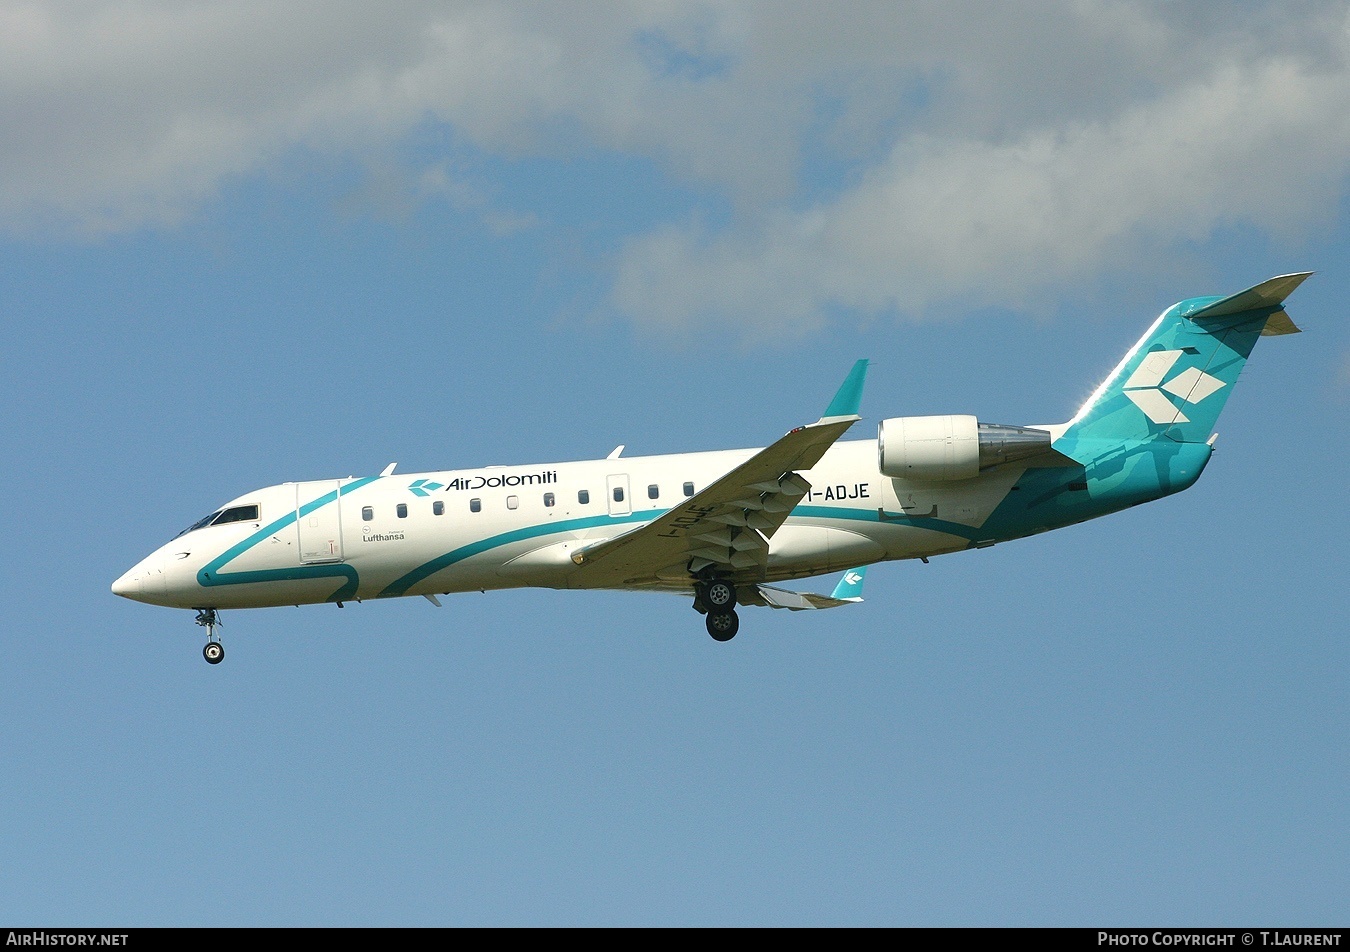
(246, 243)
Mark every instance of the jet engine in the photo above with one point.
(952, 447)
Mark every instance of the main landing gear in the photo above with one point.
(214, 652)
(715, 599)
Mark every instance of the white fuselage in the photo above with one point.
(721, 526)
(513, 526)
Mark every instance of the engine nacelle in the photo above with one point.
(955, 446)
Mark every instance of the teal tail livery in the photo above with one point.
(721, 527)
(1177, 379)
(1148, 431)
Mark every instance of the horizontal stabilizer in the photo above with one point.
(1278, 324)
(1269, 293)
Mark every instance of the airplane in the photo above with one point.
(720, 527)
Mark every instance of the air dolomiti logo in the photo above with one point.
(423, 487)
(1146, 387)
(498, 480)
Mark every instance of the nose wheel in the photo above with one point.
(214, 651)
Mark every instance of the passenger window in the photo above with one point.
(512, 502)
(475, 505)
(367, 513)
(653, 491)
(618, 494)
(438, 508)
(584, 496)
(688, 489)
(402, 510)
(548, 500)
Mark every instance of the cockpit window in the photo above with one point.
(201, 522)
(237, 514)
(222, 516)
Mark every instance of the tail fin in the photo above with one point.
(1174, 382)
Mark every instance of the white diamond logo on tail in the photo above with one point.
(1145, 387)
(1193, 385)
(1152, 369)
(1156, 407)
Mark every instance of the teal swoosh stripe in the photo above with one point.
(211, 576)
(401, 586)
(427, 569)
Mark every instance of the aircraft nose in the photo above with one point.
(129, 585)
(141, 583)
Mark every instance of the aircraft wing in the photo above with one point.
(847, 592)
(727, 525)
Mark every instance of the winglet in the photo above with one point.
(847, 592)
(849, 398)
(850, 586)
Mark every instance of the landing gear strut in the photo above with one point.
(214, 652)
(716, 600)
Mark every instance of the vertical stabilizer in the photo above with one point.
(1175, 381)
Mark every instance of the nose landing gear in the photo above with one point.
(214, 651)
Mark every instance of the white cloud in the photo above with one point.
(997, 222)
(979, 151)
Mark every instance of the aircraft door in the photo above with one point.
(617, 495)
(318, 516)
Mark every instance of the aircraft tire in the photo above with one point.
(214, 652)
(722, 625)
(719, 595)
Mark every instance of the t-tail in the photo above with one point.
(1148, 430)
(1175, 381)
